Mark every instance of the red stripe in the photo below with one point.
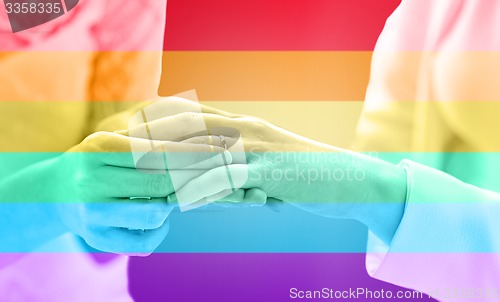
(275, 24)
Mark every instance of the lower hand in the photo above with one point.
(95, 183)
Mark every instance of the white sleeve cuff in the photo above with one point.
(447, 237)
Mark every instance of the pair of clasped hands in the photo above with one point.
(119, 202)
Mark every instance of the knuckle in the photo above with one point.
(93, 213)
(187, 116)
(93, 242)
(150, 246)
(156, 237)
(95, 140)
(158, 184)
(152, 243)
(146, 245)
(83, 180)
(86, 186)
(155, 218)
(201, 140)
(257, 123)
(91, 238)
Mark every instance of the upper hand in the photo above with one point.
(262, 141)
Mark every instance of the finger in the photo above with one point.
(113, 142)
(274, 204)
(227, 196)
(233, 146)
(183, 156)
(131, 214)
(203, 159)
(120, 182)
(211, 110)
(183, 125)
(169, 155)
(212, 182)
(252, 197)
(172, 160)
(116, 150)
(172, 105)
(241, 198)
(255, 197)
(222, 141)
(121, 151)
(127, 242)
(181, 177)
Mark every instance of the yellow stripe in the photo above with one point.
(56, 126)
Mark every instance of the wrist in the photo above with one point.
(383, 211)
(29, 218)
(50, 199)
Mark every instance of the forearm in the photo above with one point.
(27, 217)
(383, 211)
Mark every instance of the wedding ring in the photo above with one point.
(223, 141)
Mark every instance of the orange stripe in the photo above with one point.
(267, 75)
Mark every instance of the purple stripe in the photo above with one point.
(248, 277)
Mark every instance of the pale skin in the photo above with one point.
(89, 195)
(86, 191)
(377, 200)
